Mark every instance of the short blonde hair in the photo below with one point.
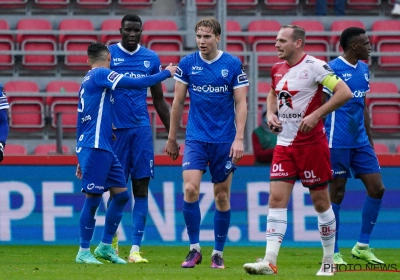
(211, 23)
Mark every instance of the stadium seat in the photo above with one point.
(35, 41)
(398, 149)
(263, 88)
(241, 4)
(93, 4)
(13, 5)
(110, 25)
(135, 4)
(52, 5)
(387, 43)
(205, 4)
(6, 44)
(76, 42)
(235, 43)
(67, 105)
(264, 43)
(364, 4)
(14, 149)
(159, 126)
(27, 112)
(384, 92)
(163, 43)
(314, 43)
(49, 149)
(340, 25)
(281, 4)
(381, 148)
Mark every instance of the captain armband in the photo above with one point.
(331, 81)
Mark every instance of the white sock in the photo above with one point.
(327, 230)
(362, 246)
(84, 249)
(195, 246)
(276, 229)
(135, 248)
(220, 253)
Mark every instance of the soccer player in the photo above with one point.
(3, 121)
(217, 86)
(99, 168)
(294, 111)
(351, 144)
(134, 141)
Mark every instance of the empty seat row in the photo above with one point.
(41, 149)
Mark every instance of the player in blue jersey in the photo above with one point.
(3, 121)
(99, 168)
(134, 141)
(351, 144)
(217, 86)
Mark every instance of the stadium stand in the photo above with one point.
(135, 4)
(6, 44)
(381, 148)
(49, 149)
(340, 25)
(163, 43)
(110, 25)
(76, 41)
(235, 43)
(205, 4)
(387, 43)
(281, 4)
(50, 6)
(27, 111)
(364, 4)
(66, 105)
(36, 41)
(14, 6)
(15, 149)
(398, 149)
(241, 4)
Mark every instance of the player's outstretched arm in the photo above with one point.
(145, 82)
(172, 147)
(341, 94)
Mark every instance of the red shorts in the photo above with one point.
(311, 164)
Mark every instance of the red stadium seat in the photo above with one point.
(387, 43)
(163, 43)
(135, 4)
(110, 25)
(52, 4)
(66, 105)
(339, 26)
(49, 149)
(13, 4)
(205, 4)
(281, 4)
(76, 42)
(384, 92)
(6, 44)
(34, 42)
(241, 4)
(153, 114)
(398, 149)
(381, 148)
(235, 43)
(14, 149)
(93, 4)
(263, 88)
(364, 4)
(264, 43)
(27, 112)
(314, 43)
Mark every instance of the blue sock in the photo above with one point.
(87, 220)
(139, 216)
(221, 227)
(114, 215)
(336, 209)
(192, 216)
(370, 213)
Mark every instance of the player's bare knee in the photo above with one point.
(221, 198)
(191, 190)
(376, 192)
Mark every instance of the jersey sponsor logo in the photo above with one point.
(327, 68)
(347, 76)
(285, 96)
(224, 73)
(210, 88)
(118, 61)
(146, 63)
(358, 93)
(178, 72)
(277, 170)
(310, 61)
(303, 74)
(134, 75)
(198, 68)
(112, 76)
(86, 118)
(87, 78)
(242, 78)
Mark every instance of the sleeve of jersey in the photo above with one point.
(241, 79)
(3, 126)
(181, 73)
(3, 100)
(325, 76)
(145, 82)
(157, 65)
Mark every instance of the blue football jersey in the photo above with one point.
(345, 127)
(95, 112)
(130, 104)
(210, 85)
(3, 99)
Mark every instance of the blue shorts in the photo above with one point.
(360, 160)
(134, 149)
(101, 170)
(198, 154)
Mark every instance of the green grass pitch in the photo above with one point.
(58, 262)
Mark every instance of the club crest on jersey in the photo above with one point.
(224, 73)
(146, 63)
(366, 77)
(303, 74)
